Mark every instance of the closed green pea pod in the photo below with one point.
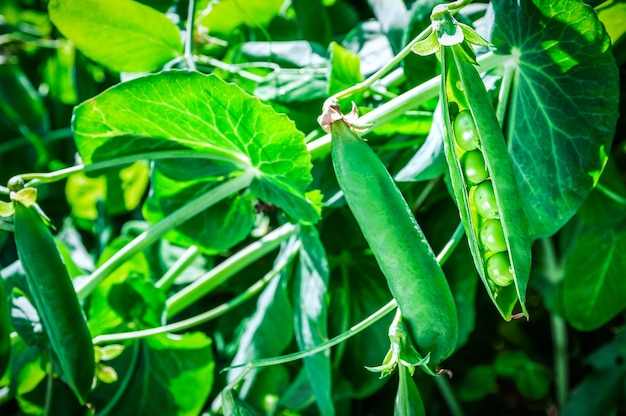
(505, 202)
(55, 299)
(413, 274)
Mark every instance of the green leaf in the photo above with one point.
(601, 391)
(102, 317)
(214, 230)
(562, 114)
(206, 118)
(174, 373)
(310, 324)
(225, 16)
(233, 406)
(531, 378)
(270, 329)
(20, 104)
(121, 188)
(345, 69)
(123, 35)
(477, 383)
(594, 288)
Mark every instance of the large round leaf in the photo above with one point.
(563, 105)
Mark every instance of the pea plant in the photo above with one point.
(249, 207)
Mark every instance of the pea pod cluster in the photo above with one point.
(484, 185)
(54, 298)
(413, 274)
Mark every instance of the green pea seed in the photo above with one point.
(485, 200)
(474, 167)
(465, 131)
(492, 236)
(499, 269)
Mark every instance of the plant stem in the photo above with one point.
(611, 194)
(370, 320)
(173, 220)
(443, 384)
(553, 274)
(177, 268)
(228, 268)
(51, 136)
(284, 359)
(208, 315)
(191, 11)
(401, 104)
(362, 86)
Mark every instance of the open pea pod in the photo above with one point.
(483, 182)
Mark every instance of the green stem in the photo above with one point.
(611, 194)
(177, 268)
(401, 104)
(51, 136)
(208, 315)
(553, 274)
(284, 359)
(228, 268)
(36, 179)
(122, 385)
(191, 11)
(443, 384)
(362, 86)
(370, 320)
(155, 232)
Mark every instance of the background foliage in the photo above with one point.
(112, 84)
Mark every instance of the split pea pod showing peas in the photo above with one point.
(413, 274)
(484, 185)
(55, 299)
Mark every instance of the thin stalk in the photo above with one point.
(443, 384)
(36, 179)
(611, 194)
(362, 86)
(367, 322)
(51, 136)
(401, 104)
(234, 69)
(207, 315)
(287, 358)
(191, 12)
(179, 266)
(553, 274)
(155, 232)
(505, 91)
(228, 268)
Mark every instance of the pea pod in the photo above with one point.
(5, 330)
(484, 184)
(55, 299)
(406, 259)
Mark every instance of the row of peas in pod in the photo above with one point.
(483, 199)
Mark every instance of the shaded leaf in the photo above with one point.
(594, 288)
(270, 329)
(561, 115)
(174, 371)
(311, 315)
(600, 391)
